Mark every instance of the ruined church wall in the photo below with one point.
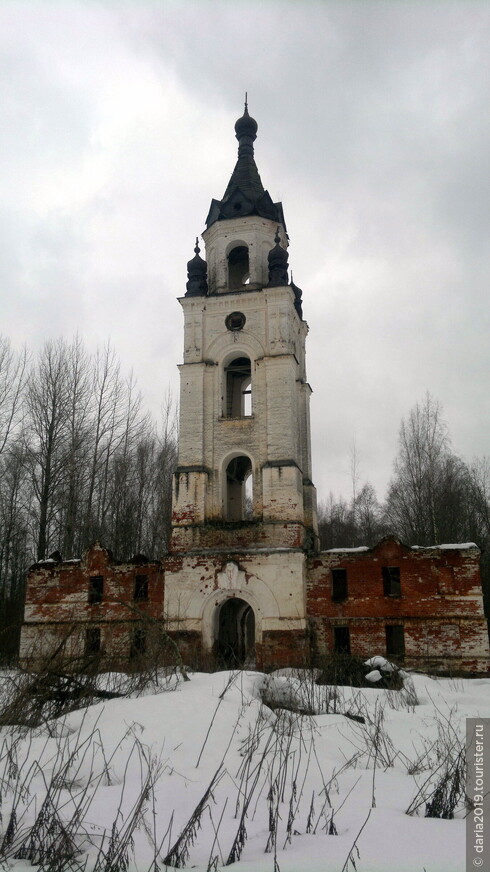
(59, 611)
(439, 607)
(272, 583)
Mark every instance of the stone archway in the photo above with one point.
(235, 633)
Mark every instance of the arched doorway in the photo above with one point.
(235, 638)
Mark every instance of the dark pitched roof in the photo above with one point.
(245, 193)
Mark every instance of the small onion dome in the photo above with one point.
(298, 294)
(278, 263)
(197, 275)
(246, 125)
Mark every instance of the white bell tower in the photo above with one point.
(243, 495)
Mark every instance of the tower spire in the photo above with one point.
(245, 193)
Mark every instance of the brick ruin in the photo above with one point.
(92, 606)
(244, 582)
(419, 606)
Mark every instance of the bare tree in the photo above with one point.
(78, 439)
(166, 466)
(122, 504)
(355, 477)
(48, 411)
(370, 524)
(79, 460)
(480, 497)
(12, 383)
(423, 449)
(339, 527)
(14, 544)
(107, 431)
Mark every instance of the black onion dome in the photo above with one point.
(278, 263)
(246, 125)
(197, 269)
(197, 263)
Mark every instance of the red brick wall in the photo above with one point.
(440, 605)
(281, 648)
(57, 605)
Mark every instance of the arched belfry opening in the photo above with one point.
(235, 633)
(238, 267)
(238, 377)
(239, 489)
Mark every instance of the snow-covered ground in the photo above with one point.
(204, 770)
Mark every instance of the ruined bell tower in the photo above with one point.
(244, 506)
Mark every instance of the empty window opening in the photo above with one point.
(238, 267)
(95, 589)
(239, 481)
(235, 321)
(138, 642)
(247, 398)
(339, 585)
(341, 640)
(140, 588)
(391, 580)
(235, 633)
(395, 641)
(248, 509)
(92, 640)
(238, 375)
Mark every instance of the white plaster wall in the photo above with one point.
(254, 232)
(273, 583)
(273, 338)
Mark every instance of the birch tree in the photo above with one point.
(423, 448)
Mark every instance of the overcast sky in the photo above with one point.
(374, 131)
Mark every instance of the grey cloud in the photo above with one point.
(373, 129)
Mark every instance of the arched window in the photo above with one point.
(238, 376)
(239, 489)
(238, 267)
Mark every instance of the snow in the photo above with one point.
(374, 675)
(456, 546)
(184, 731)
(347, 550)
(379, 662)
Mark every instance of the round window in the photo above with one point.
(235, 321)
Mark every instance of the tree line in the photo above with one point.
(434, 496)
(80, 461)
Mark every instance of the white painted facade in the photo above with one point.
(225, 443)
